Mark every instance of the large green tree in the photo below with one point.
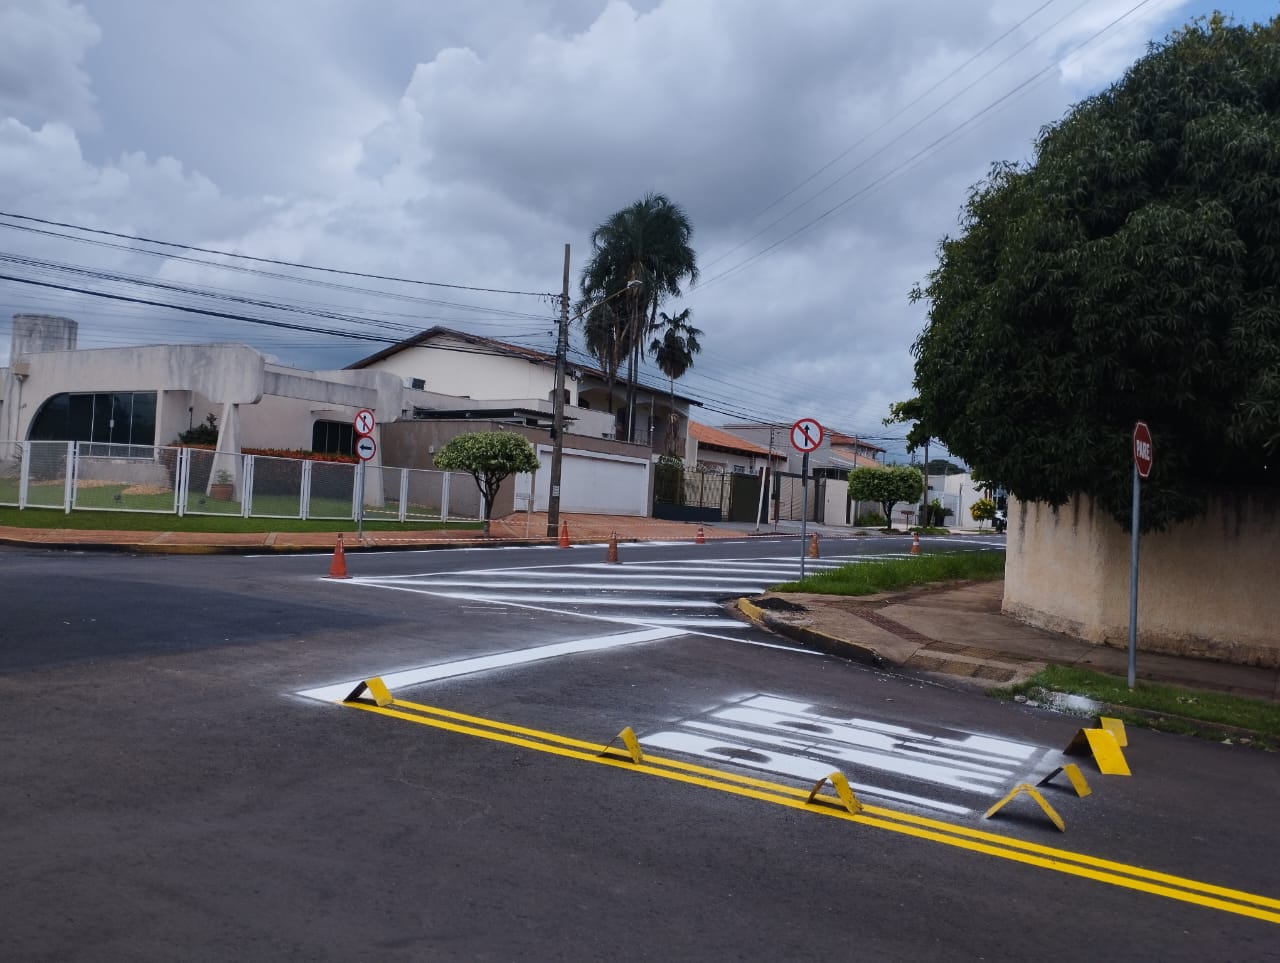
(649, 242)
(489, 457)
(1130, 272)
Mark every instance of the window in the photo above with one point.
(119, 418)
(333, 437)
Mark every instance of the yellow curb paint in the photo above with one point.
(920, 827)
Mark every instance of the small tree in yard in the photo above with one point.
(983, 510)
(489, 456)
(887, 486)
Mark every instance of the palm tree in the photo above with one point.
(647, 241)
(673, 353)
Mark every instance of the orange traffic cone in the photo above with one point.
(612, 555)
(915, 543)
(338, 567)
(813, 545)
(702, 538)
(564, 534)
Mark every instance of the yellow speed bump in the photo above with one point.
(1103, 746)
(1031, 791)
(841, 785)
(628, 737)
(376, 688)
(1116, 728)
(1074, 775)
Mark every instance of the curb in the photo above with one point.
(811, 639)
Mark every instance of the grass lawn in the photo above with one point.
(867, 578)
(232, 522)
(1165, 707)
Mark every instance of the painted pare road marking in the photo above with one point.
(1071, 863)
(500, 660)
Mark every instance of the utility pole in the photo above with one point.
(557, 408)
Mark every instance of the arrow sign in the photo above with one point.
(366, 447)
(806, 435)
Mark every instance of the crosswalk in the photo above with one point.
(683, 593)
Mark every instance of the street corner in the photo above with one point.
(795, 622)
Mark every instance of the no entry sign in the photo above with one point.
(1143, 452)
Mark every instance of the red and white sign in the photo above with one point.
(364, 422)
(806, 435)
(1143, 451)
(366, 447)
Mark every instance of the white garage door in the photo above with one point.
(594, 483)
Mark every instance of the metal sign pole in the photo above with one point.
(1133, 578)
(360, 502)
(804, 512)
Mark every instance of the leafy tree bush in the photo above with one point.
(205, 433)
(983, 510)
(489, 457)
(936, 515)
(871, 520)
(1132, 271)
(888, 486)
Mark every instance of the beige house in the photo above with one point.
(714, 449)
(422, 392)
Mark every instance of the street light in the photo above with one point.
(557, 403)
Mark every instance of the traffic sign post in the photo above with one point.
(1143, 462)
(366, 448)
(806, 435)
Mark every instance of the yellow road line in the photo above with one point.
(992, 844)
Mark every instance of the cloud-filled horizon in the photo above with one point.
(821, 151)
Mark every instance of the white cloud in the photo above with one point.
(42, 48)
(466, 143)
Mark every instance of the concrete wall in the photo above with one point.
(454, 367)
(413, 444)
(1207, 588)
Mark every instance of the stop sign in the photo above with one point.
(1143, 453)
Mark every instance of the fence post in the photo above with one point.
(24, 475)
(444, 497)
(246, 485)
(404, 493)
(69, 489)
(181, 480)
(304, 496)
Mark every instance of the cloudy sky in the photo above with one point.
(820, 148)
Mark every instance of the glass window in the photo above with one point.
(125, 418)
(333, 438)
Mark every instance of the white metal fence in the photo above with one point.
(89, 476)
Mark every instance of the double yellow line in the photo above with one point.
(961, 837)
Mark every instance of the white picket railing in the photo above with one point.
(95, 476)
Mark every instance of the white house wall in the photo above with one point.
(465, 371)
(592, 482)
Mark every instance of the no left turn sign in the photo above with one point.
(364, 422)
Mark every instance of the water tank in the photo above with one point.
(33, 333)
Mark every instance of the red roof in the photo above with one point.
(715, 438)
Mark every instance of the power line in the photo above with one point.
(267, 260)
(927, 149)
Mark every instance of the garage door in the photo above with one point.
(594, 483)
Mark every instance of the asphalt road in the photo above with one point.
(178, 785)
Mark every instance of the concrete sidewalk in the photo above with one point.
(959, 632)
